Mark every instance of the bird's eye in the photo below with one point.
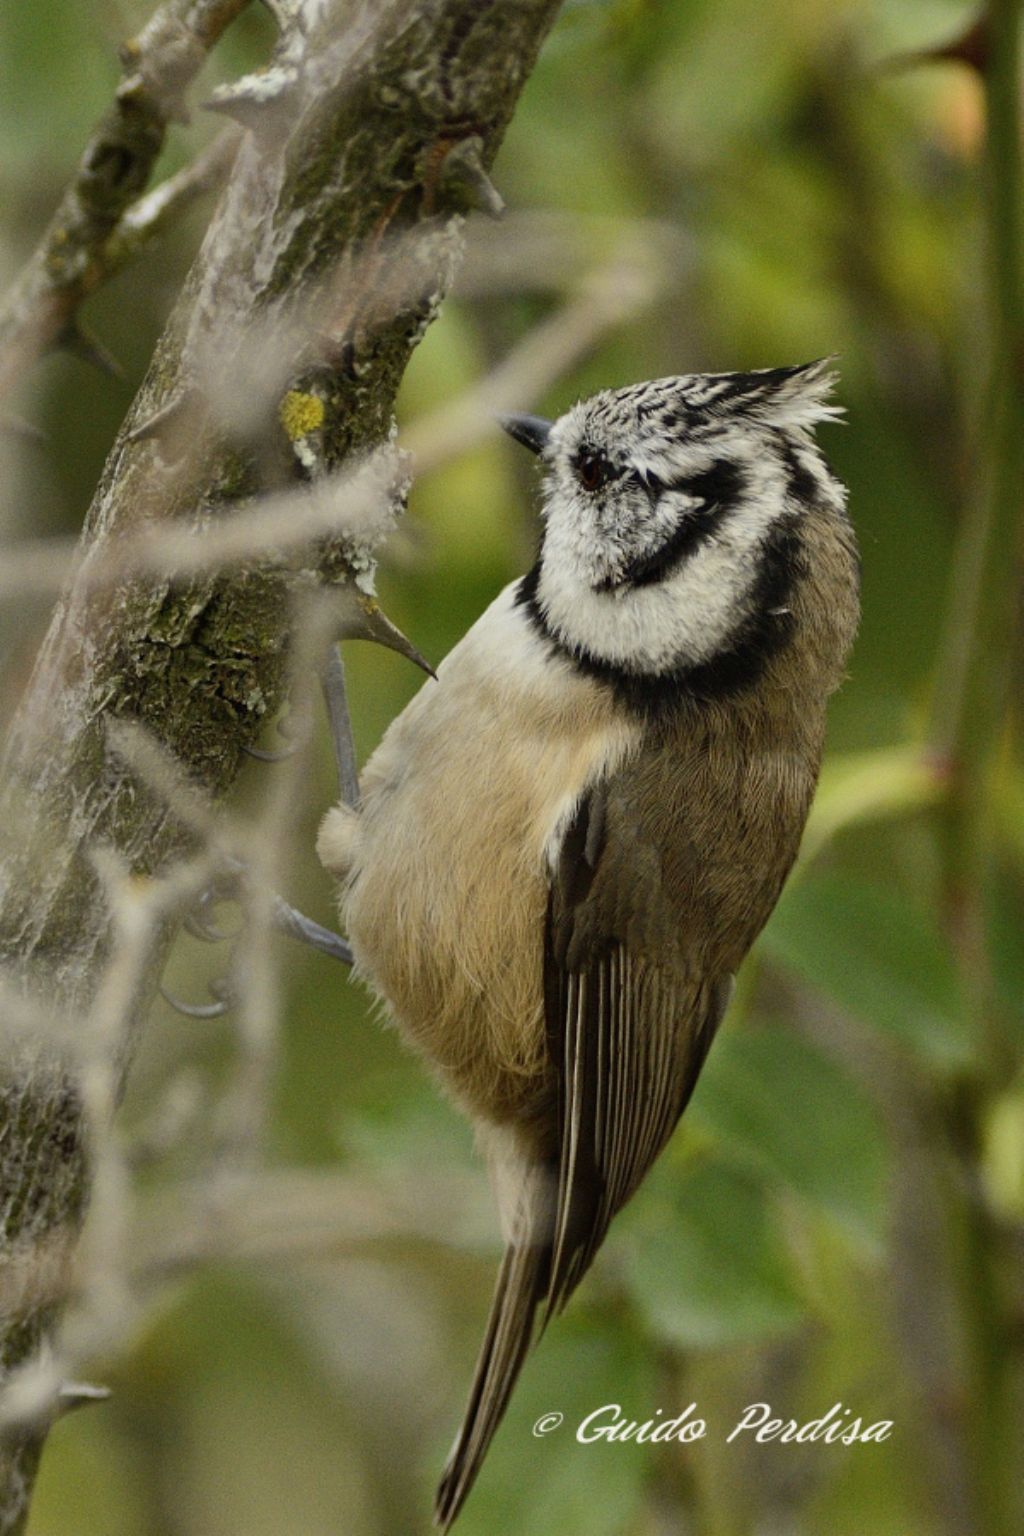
(593, 470)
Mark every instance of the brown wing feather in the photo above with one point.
(627, 1031)
(614, 1020)
(663, 879)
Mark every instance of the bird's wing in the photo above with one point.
(629, 1021)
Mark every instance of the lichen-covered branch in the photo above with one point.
(39, 309)
(326, 259)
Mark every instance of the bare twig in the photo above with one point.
(274, 527)
(303, 1213)
(608, 297)
(152, 214)
(285, 524)
(72, 257)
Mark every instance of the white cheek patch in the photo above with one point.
(598, 537)
(682, 621)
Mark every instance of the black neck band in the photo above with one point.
(737, 667)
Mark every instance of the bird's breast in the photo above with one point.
(463, 803)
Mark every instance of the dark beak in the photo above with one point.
(531, 431)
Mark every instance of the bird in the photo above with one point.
(565, 845)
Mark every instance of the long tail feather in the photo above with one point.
(522, 1285)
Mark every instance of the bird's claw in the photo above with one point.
(296, 925)
(220, 991)
(198, 922)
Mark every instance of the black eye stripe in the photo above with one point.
(723, 482)
(681, 543)
(719, 488)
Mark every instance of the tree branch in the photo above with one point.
(39, 309)
(327, 257)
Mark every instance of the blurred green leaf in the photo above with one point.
(866, 786)
(398, 1120)
(786, 1110)
(1004, 902)
(1003, 1160)
(110, 1497)
(872, 952)
(707, 1267)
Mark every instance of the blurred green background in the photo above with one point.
(841, 1215)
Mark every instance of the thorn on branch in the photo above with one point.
(366, 620)
(258, 100)
(971, 47)
(157, 424)
(464, 185)
(79, 1394)
(83, 344)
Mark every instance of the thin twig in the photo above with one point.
(153, 213)
(286, 523)
(607, 298)
(336, 697)
(276, 526)
(304, 1213)
(69, 261)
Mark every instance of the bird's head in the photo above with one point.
(674, 519)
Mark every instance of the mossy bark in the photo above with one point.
(336, 237)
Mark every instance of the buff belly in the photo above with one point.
(444, 868)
